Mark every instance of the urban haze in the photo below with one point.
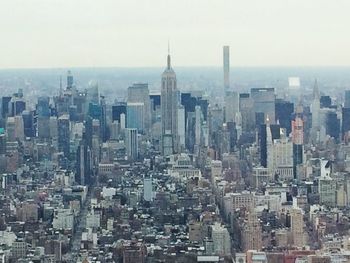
(174, 131)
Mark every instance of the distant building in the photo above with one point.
(169, 106)
(264, 102)
(135, 112)
(251, 233)
(131, 144)
(64, 135)
(139, 93)
(226, 66)
(221, 240)
(297, 227)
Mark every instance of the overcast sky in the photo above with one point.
(131, 33)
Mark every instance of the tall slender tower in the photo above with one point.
(315, 110)
(226, 63)
(169, 106)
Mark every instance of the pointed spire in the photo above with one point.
(60, 85)
(168, 58)
(316, 92)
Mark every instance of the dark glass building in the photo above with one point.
(345, 120)
(325, 102)
(28, 124)
(117, 110)
(284, 114)
(332, 125)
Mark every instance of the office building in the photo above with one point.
(332, 125)
(169, 106)
(284, 113)
(117, 110)
(135, 116)
(28, 124)
(231, 106)
(345, 121)
(264, 103)
(221, 240)
(297, 226)
(64, 135)
(5, 108)
(131, 144)
(251, 233)
(147, 189)
(139, 93)
(181, 127)
(347, 99)
(246, 109)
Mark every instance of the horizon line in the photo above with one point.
(157, 67)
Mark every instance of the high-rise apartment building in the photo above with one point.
(297, 227)
(226, 64)
(252, 233)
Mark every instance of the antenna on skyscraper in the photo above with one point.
(168, 47)
(60, 85)
(168, 58)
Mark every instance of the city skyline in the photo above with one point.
(135, 33)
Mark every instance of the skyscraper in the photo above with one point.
(297, 225)
(169, 106)
(135, 112)
(139, 93)
(315, 110)
(347, 99)
(64, 135)
(70, 80)
(28, 123)
(226, 62)
(264, 102)
(131, 144)
(43, 118)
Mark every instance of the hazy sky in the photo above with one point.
(71, 33)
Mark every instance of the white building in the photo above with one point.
(221, 240)
(63, 219)
(279, 155)
(147, 189)
(93, 220)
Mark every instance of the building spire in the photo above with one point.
(316, 92)
(168, 58)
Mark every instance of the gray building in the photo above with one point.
(264, 102)
(226, 65)
(169, 106)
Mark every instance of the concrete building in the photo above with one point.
(251, 233)
(221, 240)
(131, 144)
(297, 227)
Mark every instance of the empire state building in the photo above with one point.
(169, 106)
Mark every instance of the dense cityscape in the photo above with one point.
(171, 175)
